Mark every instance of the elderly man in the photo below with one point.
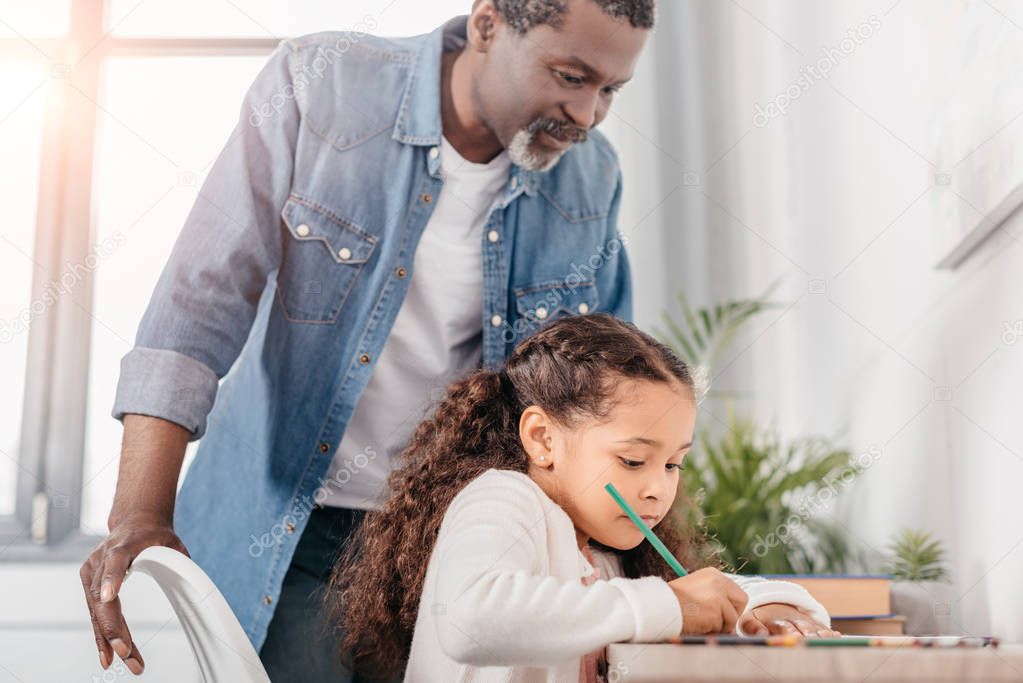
(388, 215)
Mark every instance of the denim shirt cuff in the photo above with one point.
(168, 385)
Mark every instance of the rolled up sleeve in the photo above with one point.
(763, 591)
(166, 384)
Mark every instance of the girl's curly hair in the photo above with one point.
(571, 369)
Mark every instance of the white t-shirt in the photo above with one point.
(437, 336)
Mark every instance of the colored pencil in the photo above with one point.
(647, 531)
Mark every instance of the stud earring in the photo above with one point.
(542, 458)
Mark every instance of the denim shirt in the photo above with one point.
(291, 267)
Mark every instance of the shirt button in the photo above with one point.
(541, 312)
(493, 235)
(584, 308)
(496, 321)
(324, 447)
(514, 183)
(401, 272)
(434, 152)
(427, 198)
(302, 230)
(267, 599)
(345, 253)
(290, 527)
(364, 359)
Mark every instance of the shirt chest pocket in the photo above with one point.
(540, 304)
(323, 256)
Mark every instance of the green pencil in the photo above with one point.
(647, 531)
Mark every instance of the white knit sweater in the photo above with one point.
(503, 600)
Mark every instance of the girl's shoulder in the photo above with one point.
(509, 481)
(509, 509)
(505, 490)
(499, 477)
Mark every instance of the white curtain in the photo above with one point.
(836, 200)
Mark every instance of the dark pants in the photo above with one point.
(298, 647)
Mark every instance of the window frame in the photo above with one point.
(45, 525)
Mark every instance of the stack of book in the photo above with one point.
(859, 604)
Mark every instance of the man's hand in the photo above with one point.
(102, 574)
(142, 515)
(778, 618)
(710, 602)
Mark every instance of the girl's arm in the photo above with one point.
(761, 591)
(493, 604)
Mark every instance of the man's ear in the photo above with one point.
(482, 25)
(535, 433)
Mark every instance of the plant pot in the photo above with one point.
(927, 606)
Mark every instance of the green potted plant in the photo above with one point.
(921, 587)
(757, 496)
(917, 556)
(760, 498)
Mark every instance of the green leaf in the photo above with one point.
(694, 328)
(752, 484)
(679, 339)
(917, 556)
(701, 336)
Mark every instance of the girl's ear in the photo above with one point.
(536, 434)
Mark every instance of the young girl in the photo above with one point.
(484, 563)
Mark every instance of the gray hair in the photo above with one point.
(523, 15)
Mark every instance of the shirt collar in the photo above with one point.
(419, 120)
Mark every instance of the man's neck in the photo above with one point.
(466, 132)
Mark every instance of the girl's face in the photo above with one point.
(639, 449)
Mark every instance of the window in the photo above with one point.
(111, 116)
(22, 104)
(37, 19)
(261, 18)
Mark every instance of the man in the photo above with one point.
(388, 215)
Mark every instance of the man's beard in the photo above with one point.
(522, 149)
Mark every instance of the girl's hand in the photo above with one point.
(710, 602)
(778, 618)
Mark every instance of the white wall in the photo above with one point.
(45, 633)
(841, 189)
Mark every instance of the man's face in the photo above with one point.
(542, 91)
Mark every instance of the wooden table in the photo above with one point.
(657, 663)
